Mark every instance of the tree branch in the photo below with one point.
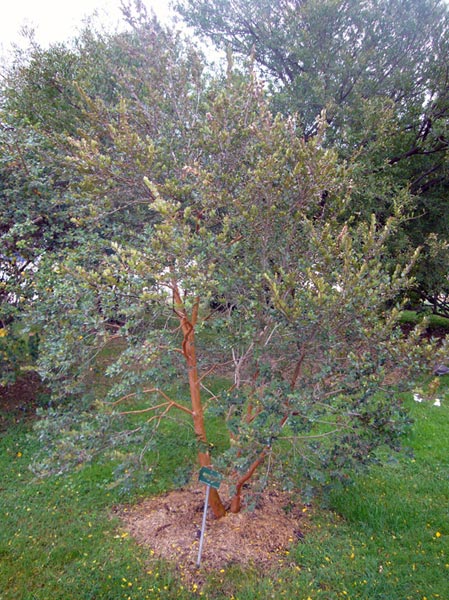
(150, 391)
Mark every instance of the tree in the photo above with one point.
(379, 70)
(305, 338)
(67, 92)
(33, 218)
(330, 55)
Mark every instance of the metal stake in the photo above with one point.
(203, 526)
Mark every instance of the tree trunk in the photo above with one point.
(189, 351)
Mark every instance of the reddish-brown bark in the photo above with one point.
(189, 352)
(251, 414)
(236, 502)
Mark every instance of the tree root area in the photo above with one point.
(170, 527)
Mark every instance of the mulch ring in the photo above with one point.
(170, 526)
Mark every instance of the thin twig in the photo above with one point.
(143, 410)
(151, 391)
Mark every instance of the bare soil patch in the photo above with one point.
(19, 400)
(170, 526)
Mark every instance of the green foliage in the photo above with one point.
(32, 218)
(329, 55)
(169, 193)
(309, 345)
(18, 352)
(65, 97)
(378, 72)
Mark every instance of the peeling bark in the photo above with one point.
(189, 352)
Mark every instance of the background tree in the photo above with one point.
(68, 92)
(379, 70)
(33, 220)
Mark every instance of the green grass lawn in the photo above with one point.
(385, 537)
(434, 322)
(389, 534)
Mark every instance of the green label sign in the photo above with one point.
(210, 477)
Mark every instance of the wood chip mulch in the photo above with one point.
(170, 527)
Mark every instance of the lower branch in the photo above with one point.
(236, 502)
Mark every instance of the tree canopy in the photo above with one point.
(55, 99)
(379, 71)
(183, 223)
